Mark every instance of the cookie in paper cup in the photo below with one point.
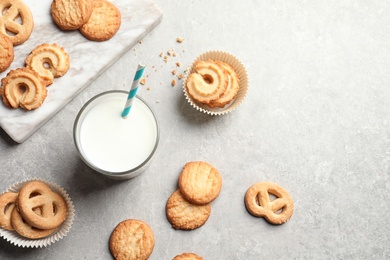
(14, 238)
(242, 76)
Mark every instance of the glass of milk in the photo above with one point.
(120, 148)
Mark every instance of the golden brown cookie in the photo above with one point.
(188, 256)
(185, 215)
(208, 81)
(36, 194)
(10, 11)
(103, 23)
(71, 14)
(231, 89)
(49, 60)
(132, 239)
(7, 205)
(259, 204)
(23, 87)
(200, 183)
(6, 52)
(26, 230)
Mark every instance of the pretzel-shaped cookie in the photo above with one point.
(7, 205)
(25, 230)
(36, 194)
(259, 204)
(10, 10)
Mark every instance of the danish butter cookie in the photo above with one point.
(26, 230)
(259, 204)
(49, 60)
(208, 81)
(7, 205)
(231, 89)
(23, 87)
(185, 215)
(200, 183)
(103, 23)
(6, 52)
(71, 14)
(188, 256)
(17, 32)
(132, 239)
(53, 206)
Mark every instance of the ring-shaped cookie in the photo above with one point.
(49, 60)
(259, 204)
(7, 205)
(23, 87)
(231, 89)
(36, 194)
(10, 11)
(208, 81)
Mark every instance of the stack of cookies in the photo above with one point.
(213, 83)
(97, 20)
(189, 207)
(34, 212)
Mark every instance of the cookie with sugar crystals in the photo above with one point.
(104, 22)
(184, 215)
(132, 239)
(200, 182)
(7, 205)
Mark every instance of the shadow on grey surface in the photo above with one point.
(5, 137)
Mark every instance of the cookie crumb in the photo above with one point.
(174, 72)
(173, 83)
(174, 54)
(142, 81)
(148, 88)
(170, 52)
(166, 58)
(178, 64)
(180, 76)
(161, 54)
(140, 41)
(179, 39)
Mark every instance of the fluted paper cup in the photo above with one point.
(230, 59)
(14, 238)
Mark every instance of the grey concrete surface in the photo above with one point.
(316, 121)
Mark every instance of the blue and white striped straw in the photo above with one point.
(133, 90)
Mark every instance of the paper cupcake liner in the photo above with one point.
(14, 238)
(242, 75)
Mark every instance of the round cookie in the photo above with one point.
(258, 202)
(23, 87)
(132, 239)
(184, 215)
(10, 10)
(49, 60)
(103, 23)
(200, 183)
(6, 52)
(7, 205)
(188, 256)
(71, 14)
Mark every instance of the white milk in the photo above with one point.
(114, 144)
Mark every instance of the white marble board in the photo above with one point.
(88, 59)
